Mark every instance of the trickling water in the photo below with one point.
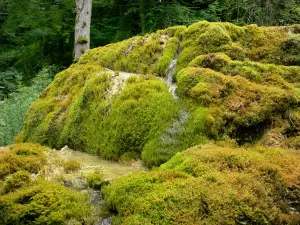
(170, 136)
(107, 221)
(77, 180)
(172, 85)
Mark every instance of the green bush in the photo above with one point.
(13, 108)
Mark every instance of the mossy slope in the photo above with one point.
(213, 184)
(233, 82)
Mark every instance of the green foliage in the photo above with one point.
(36, 34)
(19, 157)
(13, 108)
(211, 184)
(71, 166)
(8, 82)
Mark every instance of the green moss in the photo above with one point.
(95, 180)
(141, 113)
(76, 111)
(210, 185)
(244, 104)
(137, 55)
(82, 40)
(43, 202)
(17, 180)
(167, 57)
(26, 200)
(233, 82)
(71, 166)
(291, 46)
(19, 157)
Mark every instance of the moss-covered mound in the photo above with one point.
(28, 157)
(213, 184)
(240, 83)
(25, 199)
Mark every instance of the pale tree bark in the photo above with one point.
(82, 27)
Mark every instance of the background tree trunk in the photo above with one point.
(82, 27)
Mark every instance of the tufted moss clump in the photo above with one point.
(242, 105)
(212, 184)
(150, 54)
(142, 112)
(28, 199)
(95, 180)
(22, 157)
(43, 202)
(82, 40)
(99, 111)
(267, 74)
(17, 180)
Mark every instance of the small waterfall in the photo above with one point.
(174, 130)
(172, 85)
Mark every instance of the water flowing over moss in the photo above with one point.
(240, 83)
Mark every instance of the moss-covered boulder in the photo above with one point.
(240, 83)
(213, 184)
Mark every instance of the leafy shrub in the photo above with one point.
(17, 180)
(211, 184)
(71, 166)
(28, 157)
(13, 108)
(95, 180)
(9, 81)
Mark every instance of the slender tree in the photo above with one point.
(82, 27)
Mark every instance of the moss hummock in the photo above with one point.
(28, 198)
(240, 83)
(213, 184)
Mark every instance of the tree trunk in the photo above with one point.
(82, 27)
